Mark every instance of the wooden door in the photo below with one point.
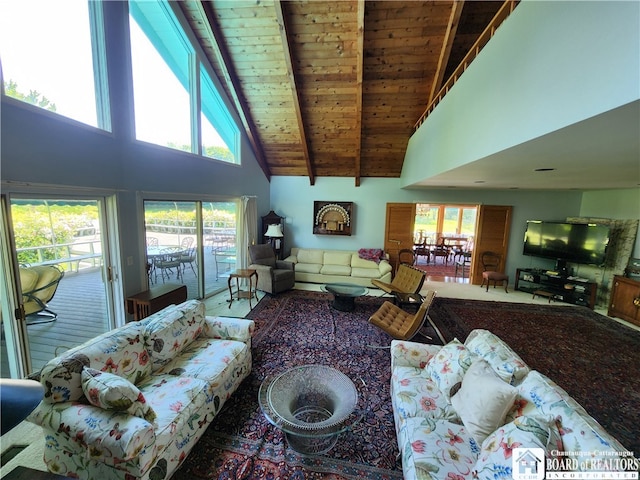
(398, 233)
(492, 234)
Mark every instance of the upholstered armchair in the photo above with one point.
(274, 276)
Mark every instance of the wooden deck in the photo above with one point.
(80, 303)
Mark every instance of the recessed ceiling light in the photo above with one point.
(544, 169)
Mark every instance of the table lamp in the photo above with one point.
(274, 234)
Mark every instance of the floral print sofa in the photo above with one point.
(461, 410)
(131, 403)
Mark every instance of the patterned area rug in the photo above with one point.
(595, 359)
(292, 329)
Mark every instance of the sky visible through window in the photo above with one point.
(51, 53)
(40, 55)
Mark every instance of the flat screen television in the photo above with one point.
(584, 243)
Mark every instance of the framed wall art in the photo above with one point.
(332, 218)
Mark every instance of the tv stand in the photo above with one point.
(577, 291)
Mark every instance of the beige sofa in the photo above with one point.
(337, 266)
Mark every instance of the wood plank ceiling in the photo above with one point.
(334, 88)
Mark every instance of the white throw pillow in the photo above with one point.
(483, 400)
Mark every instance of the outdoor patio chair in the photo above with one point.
(167, 262)
(399, 324)
(39, 284)
(225, 258)
(188, 255)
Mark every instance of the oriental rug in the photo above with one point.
(297, 328)
(594, 358)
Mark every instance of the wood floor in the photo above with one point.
(81, 307)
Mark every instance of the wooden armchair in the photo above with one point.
(400, 324)
(407, 280)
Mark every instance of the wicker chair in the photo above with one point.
(407, 280)
(400, 324)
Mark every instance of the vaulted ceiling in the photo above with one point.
(335, 88)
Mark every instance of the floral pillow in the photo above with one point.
(449, 365)
(111, 392)
(527, 432)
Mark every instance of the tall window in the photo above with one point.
(171, 88)
(160, 63)
(216, 143)
(53, 57)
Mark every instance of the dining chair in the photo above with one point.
(491, 262)
(406, 256)
(422, 250)
(188, 254)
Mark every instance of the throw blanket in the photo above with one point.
(375, 254)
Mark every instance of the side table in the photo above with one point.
(247, 273)
(155, 299)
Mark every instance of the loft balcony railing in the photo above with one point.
(485, 36)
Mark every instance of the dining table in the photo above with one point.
(160, 253)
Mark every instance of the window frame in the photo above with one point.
(219, 115)
(101, 95)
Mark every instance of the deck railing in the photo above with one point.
(73, 253)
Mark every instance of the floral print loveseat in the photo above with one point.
(131, 403)
(461, 411)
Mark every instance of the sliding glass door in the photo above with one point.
(61, 279)
(191, 243)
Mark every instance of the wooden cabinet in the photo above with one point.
(155, 299)
(625, 299)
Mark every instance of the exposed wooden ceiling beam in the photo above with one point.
(226, 65)
(294, 90)
(359, 73)
(450, 35)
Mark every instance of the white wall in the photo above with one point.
(615, 204)
(550, 65)
(293, 197)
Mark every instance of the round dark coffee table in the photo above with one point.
(344, 295)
